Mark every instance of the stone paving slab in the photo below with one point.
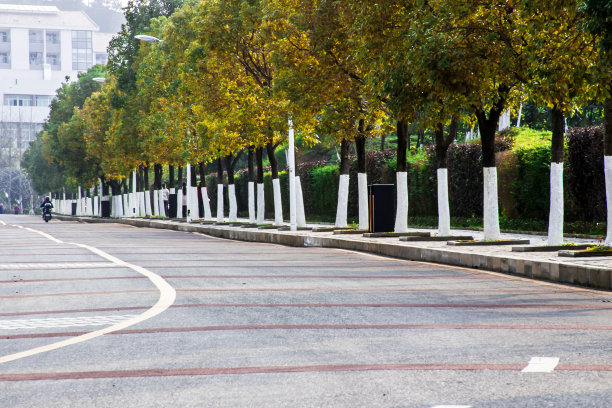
(590, 272)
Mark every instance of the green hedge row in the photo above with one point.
(523, 174)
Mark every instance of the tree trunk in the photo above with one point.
(382, 142)
(229, 168)
(179, 177)
(261, 205)
(194, 180)
(343, 184)
(158, 170)
(171, 176)
(270, 148)
(608, 165)
(362, 179)
(488, 127)
(555, 217)
(202, 171)
(250, 166)
(442, 144)
(146, 177)
(558, 133)
(402, 145)
(401, 214)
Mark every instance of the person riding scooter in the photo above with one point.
(46, 206)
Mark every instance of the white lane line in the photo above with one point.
(541, 365)
(23, 324)
(44, 234)
(2, 222)
(167, 296)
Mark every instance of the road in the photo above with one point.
(107, 315)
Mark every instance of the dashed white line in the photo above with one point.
(541, 365)
(452, 406)
(23, 324)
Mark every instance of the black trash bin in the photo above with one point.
(381, 207)
(105, 208)
(172, 206)
(74, 208)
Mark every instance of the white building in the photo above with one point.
(39, 47)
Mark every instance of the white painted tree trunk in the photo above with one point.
(233, 206)
(362, 191)
(278, 203)
(156, 203)
(261, 204)
(491, 211)
(608, 176)
(252, 215)
(195, 204)
(401, 214)
(126, 205)
(96, 208)
(206, 202)
(555, 218)
(89, 206)
(179, 203)
(341, 209)
(300, 213)
(79, 211)
(148, 211)
(141, 204)
(162, 209)
(220, 203)
(443, 206)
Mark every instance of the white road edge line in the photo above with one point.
(541, 365)
(452, 406)
(167, 296)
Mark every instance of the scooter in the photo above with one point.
(46, 212)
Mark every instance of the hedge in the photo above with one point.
(523, 177)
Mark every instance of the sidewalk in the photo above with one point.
(594, 272)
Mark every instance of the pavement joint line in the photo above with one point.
(167, 296)
(541, 365)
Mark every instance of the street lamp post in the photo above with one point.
(291, 165)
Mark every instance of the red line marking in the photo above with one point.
(317, 327)
(255, 370)
(110, 292)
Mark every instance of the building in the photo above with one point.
(39, 47)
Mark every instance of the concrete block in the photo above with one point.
(567, 273)
(520, 267)
(554, 272)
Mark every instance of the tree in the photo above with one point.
(562, 74)
(599, 17)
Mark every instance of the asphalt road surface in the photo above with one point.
(107, 315)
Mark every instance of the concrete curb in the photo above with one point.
(562, 272)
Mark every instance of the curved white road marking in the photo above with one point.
(167, 296)
(541, 365)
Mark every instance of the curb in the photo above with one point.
(561, 272)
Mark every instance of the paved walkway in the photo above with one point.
(591, 272)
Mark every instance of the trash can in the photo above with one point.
(105, 207)
(74, 208)
(172, 204)
(381, 207)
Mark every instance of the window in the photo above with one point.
(35, 59)
(52, 59)
(27, 100)
(101, 59)
(4, 58)
(52, 37)
(4, 36)
(82, 53)
(36, 37)
(43, 100)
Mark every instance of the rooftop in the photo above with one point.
(49, 17)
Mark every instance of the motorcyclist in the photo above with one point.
(46, 206)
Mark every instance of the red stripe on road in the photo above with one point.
(320, 327)
(81, 375)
